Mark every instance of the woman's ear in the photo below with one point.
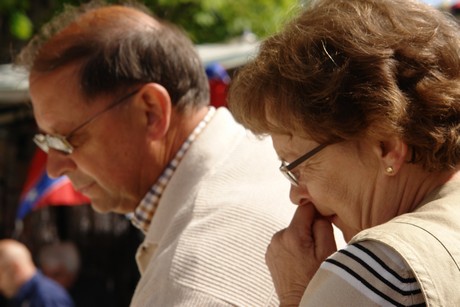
(157, 105)
(393, 154)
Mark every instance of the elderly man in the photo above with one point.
(23, 284)
(121, 100)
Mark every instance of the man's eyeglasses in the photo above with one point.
(61, 143)
(286, 168)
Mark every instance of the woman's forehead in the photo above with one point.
(287, 143)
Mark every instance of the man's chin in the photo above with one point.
(100, 208)
(109, 208)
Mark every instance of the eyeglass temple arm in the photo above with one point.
(305, 157)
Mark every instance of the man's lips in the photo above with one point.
(85, 188)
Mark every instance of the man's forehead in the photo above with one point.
(57, 85)
(57, 100)
(67, 74)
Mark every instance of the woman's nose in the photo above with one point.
(299, 195)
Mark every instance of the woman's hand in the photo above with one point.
(295, 253)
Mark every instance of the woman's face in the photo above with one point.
(343, 181)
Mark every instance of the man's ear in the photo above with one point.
(393, 154)
(157, 105)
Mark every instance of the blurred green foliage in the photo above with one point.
(14, 13)
(204, 20)
(219, 20)
(20, 25)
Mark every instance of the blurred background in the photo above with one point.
(92, 254)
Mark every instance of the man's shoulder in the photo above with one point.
(51, 293)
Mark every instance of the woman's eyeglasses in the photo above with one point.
(286, 168)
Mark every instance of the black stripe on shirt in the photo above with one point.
(364, 282)
(380, 277)
(384, 265)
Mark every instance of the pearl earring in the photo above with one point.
(389, 170)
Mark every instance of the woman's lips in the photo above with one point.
(332, 218)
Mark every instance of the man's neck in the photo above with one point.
(182, 125)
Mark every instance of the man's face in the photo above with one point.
(110, 153)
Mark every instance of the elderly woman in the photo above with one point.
(362, 101)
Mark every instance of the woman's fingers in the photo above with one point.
(295, 253)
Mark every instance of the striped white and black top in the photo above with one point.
(364, 274)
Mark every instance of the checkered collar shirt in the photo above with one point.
(142, 216)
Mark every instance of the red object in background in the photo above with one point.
(218, 84)
(455, 8)
(218, 93)
(40, 190)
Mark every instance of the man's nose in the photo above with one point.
(59, 164)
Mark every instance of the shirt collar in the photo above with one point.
(142, 216)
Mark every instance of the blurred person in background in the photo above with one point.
(121, 100)
(22, 284)
(60, 261)
(362, 101)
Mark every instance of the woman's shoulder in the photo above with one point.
(367, 273)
